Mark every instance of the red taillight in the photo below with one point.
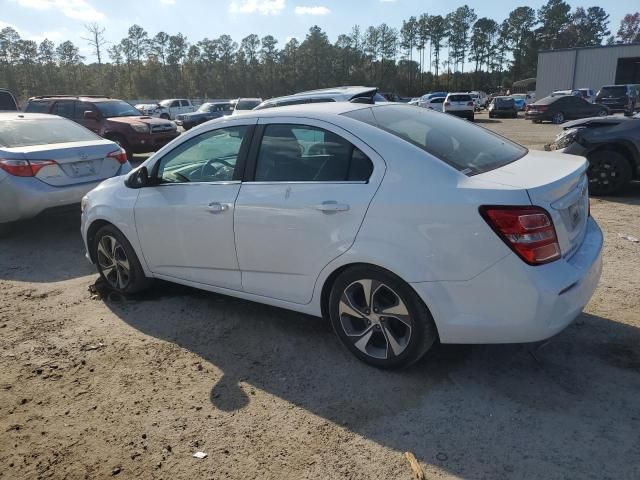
(119, 155)
(470, 104)
(24, 168)
(528, 231)
(541, 108)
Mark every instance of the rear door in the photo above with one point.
(308, 186)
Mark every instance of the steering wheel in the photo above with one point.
(208, 170)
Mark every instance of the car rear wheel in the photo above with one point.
(380, 318)
(603, 113)
(609, 172)
(558, 118)
(117, 262)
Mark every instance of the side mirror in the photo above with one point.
(90, 115)
(138, 178)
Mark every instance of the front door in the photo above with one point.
(302, 205)
(185, 223)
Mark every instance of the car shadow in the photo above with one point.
(47, 248)
(630, 195)
(485, 120)
(485, 411)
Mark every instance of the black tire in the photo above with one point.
(536, 121)
(609, 172)
(417, 328)
(164, 116)
(122, 142)
(471, 117)
(491, 115)
(135, 279)
(603, 113)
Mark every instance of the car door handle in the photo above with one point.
(332, 206)
(217, 207)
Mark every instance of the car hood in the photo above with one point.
(138, 119)
(595, 122)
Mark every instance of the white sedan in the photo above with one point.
(402, 225)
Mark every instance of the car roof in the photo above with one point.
(341, 92)
(314, 110)
(86, 98)
(458, 93)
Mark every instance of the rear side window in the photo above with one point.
(7, 101)
(64, 109)
(39, 106)
(462, 145)
(28, 132)
(299, 153)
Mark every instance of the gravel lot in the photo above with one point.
(92, 387)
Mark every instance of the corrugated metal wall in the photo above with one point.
(594, 67)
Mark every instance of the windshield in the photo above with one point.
(247, 104)
(24, 133)
(462, 145)
(206, 108)
(116, 109)
(503, 101)
(613, 91)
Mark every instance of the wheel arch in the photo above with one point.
(631, 154)
(91, 234)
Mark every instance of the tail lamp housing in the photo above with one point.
(24, 168)
(527, 230)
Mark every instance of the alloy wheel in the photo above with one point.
(375, 319)
(558, 118)
(605, 174)
(113, 262)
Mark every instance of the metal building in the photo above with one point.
(587, 67)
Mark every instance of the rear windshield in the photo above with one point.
(503, 101)
(613, 91)
(7, 102)
(247, 104)
(27, 132)
(461, 144)
(459, 98)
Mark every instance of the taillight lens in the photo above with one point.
(470, 104)
(119, 155)
(24, 168)
(528, 231)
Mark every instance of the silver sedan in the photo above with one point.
(47, 161)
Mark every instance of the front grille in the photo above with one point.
(163, 128)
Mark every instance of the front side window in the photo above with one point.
(462, 145)
(300, 153)
(64, 109)
(82, 107)
(210, 157)
(184, 103)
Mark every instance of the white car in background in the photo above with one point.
(170, 108)
(480, 99)
(403, 226)
(460, 104)
(434, 103)
(48, 162)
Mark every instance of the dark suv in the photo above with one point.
(619, 98)
(7, 101)
(110, 118)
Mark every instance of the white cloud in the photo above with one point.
(168, 2)
(312, 10)
(263, 7)
(76, 9)
(54, 36)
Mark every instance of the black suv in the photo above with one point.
(8, 101)
(619, 98)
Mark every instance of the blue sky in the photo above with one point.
(61, 20)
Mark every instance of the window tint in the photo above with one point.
(184, 103)
(7, 102)
(38, 106)
(299, 153)
(82, 107)
(210, 157)
(64, 109)
(459, 98)
(28, 132)
(464, 146)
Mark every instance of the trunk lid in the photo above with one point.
(77, 162)
(556, 182)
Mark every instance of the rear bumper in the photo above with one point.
(512, 302)
(503, 113)
(26, 197)
(461, 113)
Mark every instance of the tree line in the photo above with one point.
(427, 52)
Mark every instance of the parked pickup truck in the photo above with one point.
(171, 107)
(110, 118)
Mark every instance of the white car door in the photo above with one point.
(185, 223)
(303, 200)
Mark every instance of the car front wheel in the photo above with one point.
(380, 318)
(117, 262)
(609, 172)
(558, 118)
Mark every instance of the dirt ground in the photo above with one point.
(95, 387)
